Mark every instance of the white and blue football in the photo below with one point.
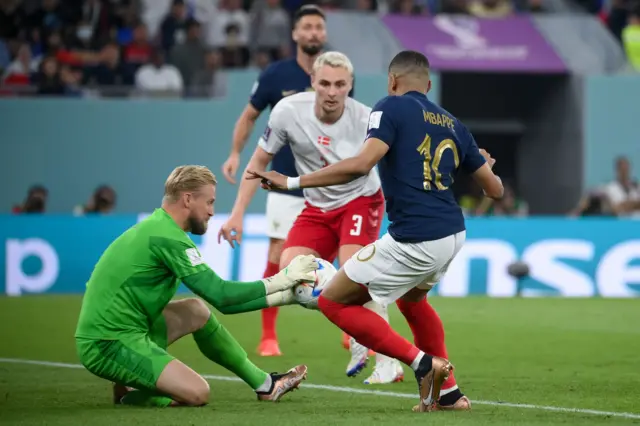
(307, 293)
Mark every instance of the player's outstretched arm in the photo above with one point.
(489, 182)
(350, 169)
(232, 229)
(341, 172)
(259, 161)
(233, 297)
(243, 128)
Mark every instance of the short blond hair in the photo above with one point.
(185, 179)
(333, 60)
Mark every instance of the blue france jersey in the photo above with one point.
(279, 80)
(427, 146)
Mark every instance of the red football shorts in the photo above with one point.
(357, 222)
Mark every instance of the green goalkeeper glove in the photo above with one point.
(301, 269)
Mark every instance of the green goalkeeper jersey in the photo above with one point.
(136, 277)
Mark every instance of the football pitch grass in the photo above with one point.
(521, 361)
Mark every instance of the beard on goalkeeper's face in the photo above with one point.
(197, 225)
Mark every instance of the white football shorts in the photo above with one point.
(282, 211)
(389, 269)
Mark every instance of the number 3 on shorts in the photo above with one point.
(357, 225)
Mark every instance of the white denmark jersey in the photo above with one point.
(316, 145)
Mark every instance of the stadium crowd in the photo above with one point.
(182, 47)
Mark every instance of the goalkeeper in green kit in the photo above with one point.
(127, 318)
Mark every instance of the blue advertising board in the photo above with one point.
(567, 257)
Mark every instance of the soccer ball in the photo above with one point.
(307, 293)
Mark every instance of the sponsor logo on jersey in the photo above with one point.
(286, 93)
(194, 256)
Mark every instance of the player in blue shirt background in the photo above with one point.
(281, 79)
(418, 147)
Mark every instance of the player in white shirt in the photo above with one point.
(322, 128)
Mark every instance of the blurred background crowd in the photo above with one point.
(181, 47)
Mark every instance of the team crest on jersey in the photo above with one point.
(324, 140)
(286, 93)
(194, 256)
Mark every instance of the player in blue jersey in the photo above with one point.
(281, 79)
(418, 147)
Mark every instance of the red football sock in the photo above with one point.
(428, 331)
(369, 329)
(270, 315)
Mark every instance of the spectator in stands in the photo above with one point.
(235, 54)
(52, 16)
(188, 57)
(595, 203)
(5, 56)
(48, 78)
(271, 28)
(159, 78)
(96, 21)
(209, 82)
(103, 201)
(230, 32)
(631, 38)
(126, 12)
(173, 28)
(58, 49)
(19, 72)
(406, 7)
(12, 19)
(491, 8)
(262, 58)
(618, 17)
(366, 5)
(35, 41)
(328, 4)
(455, 7)
(110, 74)
(623, 193)
(71, 79)
(138, 52)
(36, 201)
(535, 6)
(509, 205)
(620, 197)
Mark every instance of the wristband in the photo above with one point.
(293, 183)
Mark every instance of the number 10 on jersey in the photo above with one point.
(432, 162)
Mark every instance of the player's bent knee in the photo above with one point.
(198, 395)
(183, 384)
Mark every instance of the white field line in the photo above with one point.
(369, 392)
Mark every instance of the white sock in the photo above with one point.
(281, 298)
(416, 362)
(266, 386)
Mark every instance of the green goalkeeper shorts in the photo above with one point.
(135, 360)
